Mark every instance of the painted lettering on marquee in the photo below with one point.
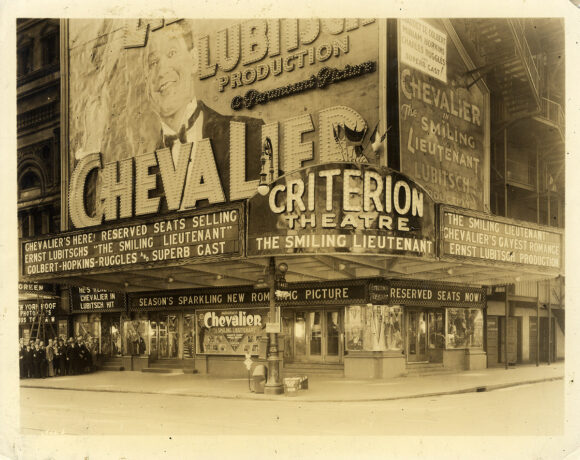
(214, 233)
(480, 238)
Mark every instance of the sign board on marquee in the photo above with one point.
(473, 236)
(442, 116)
(418, 293)
(342, 207)
(193, 236)
(343, 292)
(93, 300)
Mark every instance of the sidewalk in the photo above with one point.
(321, 388)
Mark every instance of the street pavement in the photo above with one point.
(320, 388)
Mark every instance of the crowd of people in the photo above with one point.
(57, 358)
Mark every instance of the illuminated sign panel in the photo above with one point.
(170, 116)
(442, 116)
(193, 236)
(342, 207)
(88, 300)
(480, 237)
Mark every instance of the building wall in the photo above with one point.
(497, 308)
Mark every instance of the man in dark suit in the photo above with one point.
(43, 362)
(28, 365)
(72, 357)
(171, 68)
(63, 362)
(36, 361)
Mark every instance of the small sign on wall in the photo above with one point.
(273, 328)
(424, 48)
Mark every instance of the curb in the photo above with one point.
(256, 397)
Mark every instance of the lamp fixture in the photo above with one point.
(170, 279)
(126, 284)
(341, 266)
(267, 170)
(283, 267)
(219, 276)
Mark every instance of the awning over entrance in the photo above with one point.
(302, 268)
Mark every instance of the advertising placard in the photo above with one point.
(225, 332)
(39, 289)
(342, 207)
(29, 311)
(434, 294)
(223, 297)
(92, 300)
(171, 115)
(481, 237)
(192, 237)
(336, 292)
(442, 116)
(424, 47)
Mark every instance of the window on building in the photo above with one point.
(24, 228)
(30, 186)
(374, 328)
(464, 328)
(24, 59)
(49, 45)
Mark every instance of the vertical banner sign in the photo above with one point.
(442, 116)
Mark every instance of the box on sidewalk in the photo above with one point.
(291, 386)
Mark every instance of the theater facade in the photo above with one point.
(321, 183)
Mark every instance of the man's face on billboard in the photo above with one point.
(170, 71)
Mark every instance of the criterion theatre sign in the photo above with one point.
(342, 207)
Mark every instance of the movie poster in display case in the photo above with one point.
(230, 332)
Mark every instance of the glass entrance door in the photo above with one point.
(417, 336)
(164, 337)
(317, 336)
